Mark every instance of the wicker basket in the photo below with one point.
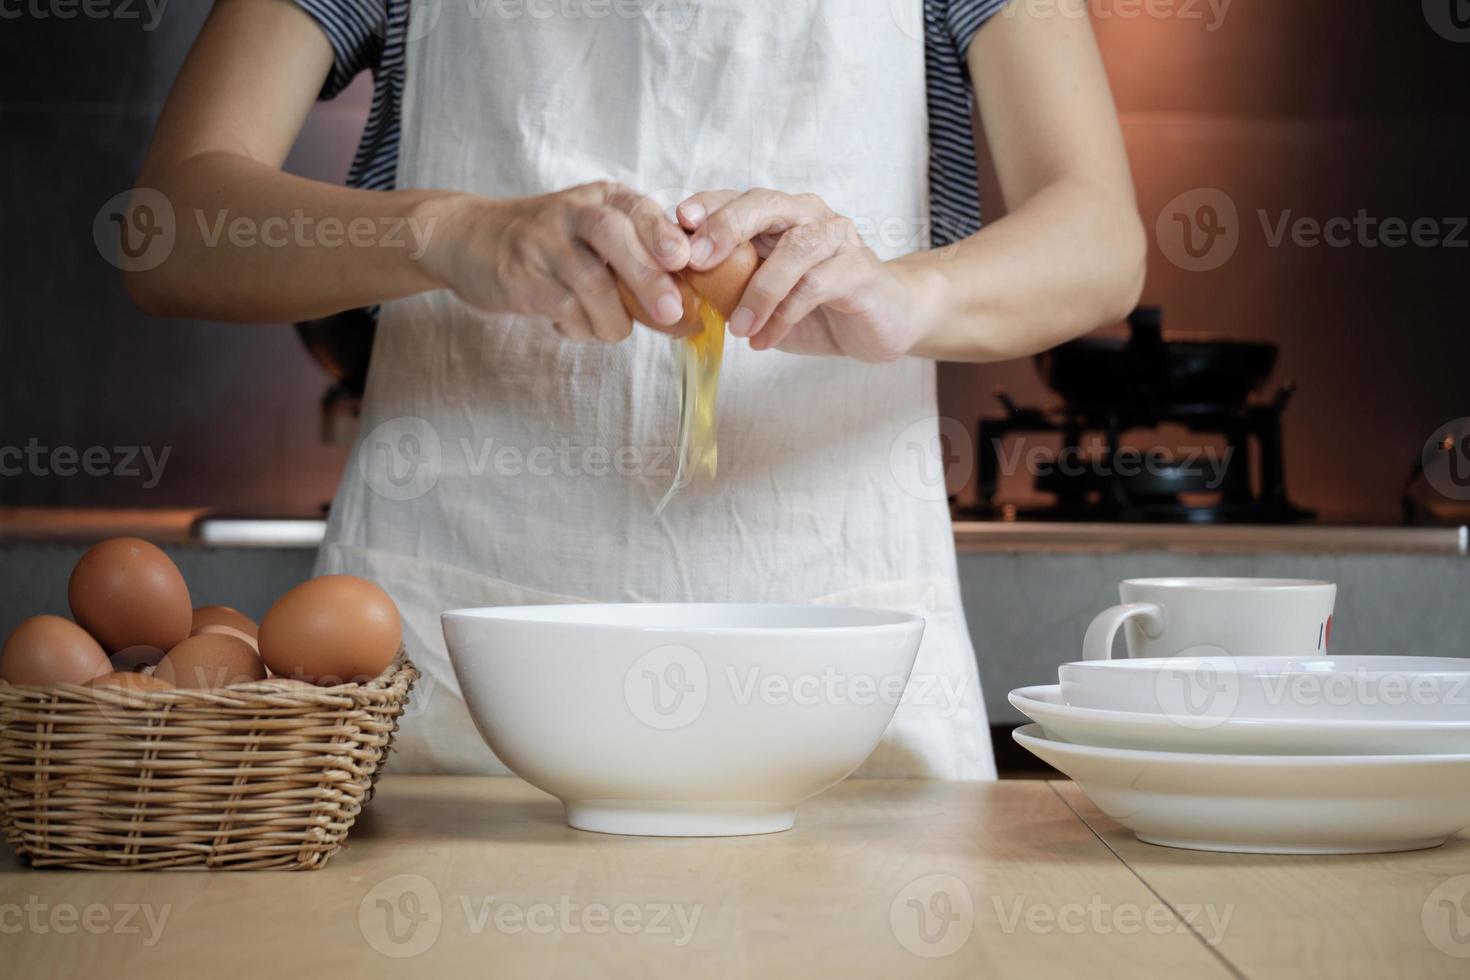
(269, 775)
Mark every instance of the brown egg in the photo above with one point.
(131, 682)
(331, 630)
(136, 659)
(46, 650)
(725, 283)
(223, 616)
(687, 324)
(126, 592)
(210, 660)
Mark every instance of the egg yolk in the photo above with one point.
(703, 353)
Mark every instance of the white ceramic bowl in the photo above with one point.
(1276, 804)
(1200, 690)
(682, 719)
(1260, 736)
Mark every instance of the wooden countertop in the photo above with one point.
(447, 877)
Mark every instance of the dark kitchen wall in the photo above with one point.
(1311, 110)
(226, 414)
(1308, 109)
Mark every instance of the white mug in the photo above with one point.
(1169, 617)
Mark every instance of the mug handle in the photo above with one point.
(1098, 643)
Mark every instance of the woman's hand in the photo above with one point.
(821, 290)
(556, 256)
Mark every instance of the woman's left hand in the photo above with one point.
(821, 289)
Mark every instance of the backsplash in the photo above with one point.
(1300, 115)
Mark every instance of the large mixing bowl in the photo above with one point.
(682, 719)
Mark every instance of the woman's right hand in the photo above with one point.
(556, 256)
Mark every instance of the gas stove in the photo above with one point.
(1113, 390)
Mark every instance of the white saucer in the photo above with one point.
(1294, 804)
(1351, 688)
(1258, 736)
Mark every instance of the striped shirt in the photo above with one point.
(370, 35)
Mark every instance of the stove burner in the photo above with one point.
(1116, 483)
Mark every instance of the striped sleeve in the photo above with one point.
(355, 29)
(965, 17)
(954, 191)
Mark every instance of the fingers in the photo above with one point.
(796, 253)
(746, 216)
(835, 279)
(585, 276)
(663, 239)
(613, 235)
(695, 208)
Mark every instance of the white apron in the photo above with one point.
(500, 465)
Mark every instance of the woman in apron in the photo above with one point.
(518, 428)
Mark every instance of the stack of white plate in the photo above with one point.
(1293, 755)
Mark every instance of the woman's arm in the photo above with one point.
(1068, 257)
(256, 244)
(233, 114)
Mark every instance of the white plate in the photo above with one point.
(681, 719)
(1265, 736)
(1293, 804)
(1344, 688)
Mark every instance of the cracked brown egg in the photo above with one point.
(210, 660)
(226, 620)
